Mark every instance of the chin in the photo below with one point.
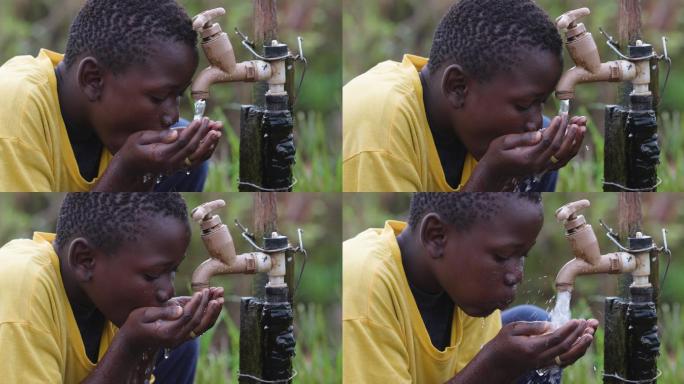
(479, 312)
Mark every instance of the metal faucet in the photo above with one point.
(223, 66)
(588, 259)
(223, 258)
(588, 67)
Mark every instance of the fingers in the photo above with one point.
(152, 314)
(530, 328)
(521, 140)
(577, 350)
(551, 141)
(206, 147)
(571, 145)
(562, 340)
(193, 316)
(210, 316)
(149, 137)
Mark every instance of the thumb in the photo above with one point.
(521, 139)
(530, 328)
(153, 314)
(166, 136)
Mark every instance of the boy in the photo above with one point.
(97, 118)
(94, 302)
(469, 118)
(421, 301)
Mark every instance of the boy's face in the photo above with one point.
(139, 274)
(482, 266)
(509, 102)
(143, 96)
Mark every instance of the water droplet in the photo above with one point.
(187, 173)
(166, 353)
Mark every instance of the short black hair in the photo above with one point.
(484, 36)
(107, 220)
(462, 209)
(118, 33)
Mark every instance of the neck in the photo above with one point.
(435, 108)
(70, 105)
(415, 263)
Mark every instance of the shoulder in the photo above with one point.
(29, 282)
(372, 280)
(380, 107)
(29, 95)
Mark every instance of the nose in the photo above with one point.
(514, 275)
(534, 118)
(171, 112)
(165, 290)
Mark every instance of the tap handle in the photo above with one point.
(568, 211)
(204, 211)
(568, 19)
(203, 20)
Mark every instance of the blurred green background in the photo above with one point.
(659, 210)
(317, 300)
(28, 25)
(375, 31)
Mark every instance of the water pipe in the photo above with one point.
(588, 67)
(223, 258)
(588, 259)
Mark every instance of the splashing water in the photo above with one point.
(561, 312)
(199, 109)
(559, 316)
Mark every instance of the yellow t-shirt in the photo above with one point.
(387, 145)
(384, 339)
(39, 339)
(35, 152)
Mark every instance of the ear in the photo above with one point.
(433, 235)
(454, 85)
(90, 75)
(81, 258)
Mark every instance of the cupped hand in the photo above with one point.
(524, 346)
(171, 325)
(169, 150)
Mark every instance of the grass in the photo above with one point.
(318, 356)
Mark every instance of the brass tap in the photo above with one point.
(588, 67)
(585, 248)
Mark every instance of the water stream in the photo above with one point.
(559, 316)
(199, 109)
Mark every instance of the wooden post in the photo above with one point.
(265, 222)
(614, 345)
(250, 333)
(615, 158)
(629, 31)
(629, 223)
(265, 21)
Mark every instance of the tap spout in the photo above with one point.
(612, 71)
(611, 263)
(248, 71)
(246, 263)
